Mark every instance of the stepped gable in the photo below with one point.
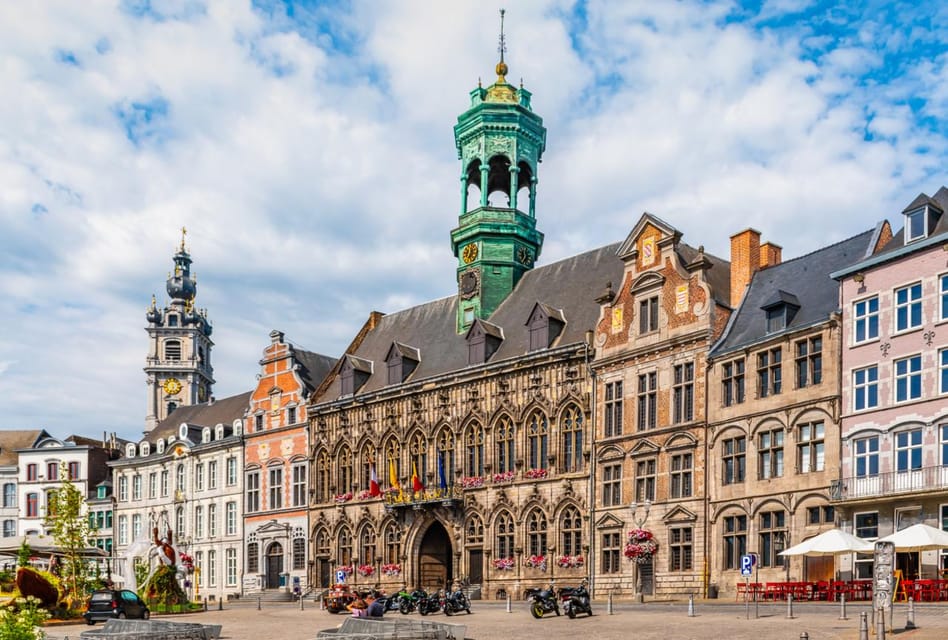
(569, 285)
(13, 439)
(807, 279)
(207, 414)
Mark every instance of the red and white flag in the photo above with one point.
(374, 490)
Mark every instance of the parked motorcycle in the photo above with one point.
(544, 601)
(576, 600)
(456, 602)
(409, 601)
(429, 603)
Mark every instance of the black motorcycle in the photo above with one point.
(429, 603)
(408, 602)
(576, 600)
(455, 602)
(544, 601)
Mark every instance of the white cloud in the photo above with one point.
(319, 183)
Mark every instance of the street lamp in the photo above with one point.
(639, 521)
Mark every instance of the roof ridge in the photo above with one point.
(823, 248)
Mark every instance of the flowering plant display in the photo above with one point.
(641, 546)
(187, 562)
(346, 569)
(364, 495)
(472, 482)
(342, 497)
(537, 562)
(390, 490)
(535, 474)
(506, 476)
(568, 562)
(365, 570)
(392, 569)
(504, 564)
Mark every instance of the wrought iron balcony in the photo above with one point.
(926, 479)
(418, 499)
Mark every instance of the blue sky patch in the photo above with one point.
(67, 57)
(144, 120)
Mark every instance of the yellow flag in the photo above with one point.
(392, 477)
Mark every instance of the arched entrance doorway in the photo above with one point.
(435, 569)
(274, 565)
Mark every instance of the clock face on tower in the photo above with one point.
(172, 386)
(469, 254)
(524, 256)
(467, 283)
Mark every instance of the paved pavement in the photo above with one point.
(489, 620)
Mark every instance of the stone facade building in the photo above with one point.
(652, 339)
(894, 470)
(773, 405)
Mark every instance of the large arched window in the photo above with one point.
(446, 464)
(367, 546)
(536, 533)
(571, 532)
(506, 447)
(344, 547)
(571, 428)
(323, 476)
(393, 460)
(474, 450)
(393, 544)
(321, 544)
(345, 471)
(253, 554)
(538, 438)
(179, 478)
(366, 460)
(418, 448)
(504, 531)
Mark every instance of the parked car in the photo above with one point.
(104, 604)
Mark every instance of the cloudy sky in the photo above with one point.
(308, 149)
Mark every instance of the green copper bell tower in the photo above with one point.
(500, 142)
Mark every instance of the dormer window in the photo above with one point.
(780, 309)
(401, 360)
(161, 446)
(205, 435)
(483, 339)
(916, 224)
(355, 372)
(145, 448)
(130, 450)
(219, 432)
(544, 325)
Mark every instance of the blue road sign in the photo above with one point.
(341, 576)
(747, 564)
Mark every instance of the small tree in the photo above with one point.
(69, 525)
(23, 554)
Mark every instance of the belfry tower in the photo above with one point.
(178, 366)
(500, 142)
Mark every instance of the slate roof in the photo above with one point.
(14, 439)
(207, 414)
(940, 202)
(718, 276)
(570, 285)
(314, 367)
(805, 281)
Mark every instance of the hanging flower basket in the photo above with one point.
(570, 562)
(392, 570)
(641, 546)
(187, 562)
(503, 564)
(536, 562)
(366, 570)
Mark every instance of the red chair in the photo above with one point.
(906, 589)
(926, 590)
(821, 590)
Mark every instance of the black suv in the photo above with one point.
(113, 603)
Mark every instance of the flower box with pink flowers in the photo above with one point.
(503, 564)
(536, 562)
(392, 570)
(570, 562)
(535, 474)
(366, 570)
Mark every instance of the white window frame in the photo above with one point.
(231, 515)
(123, 489)
(907, 377)
(137, 487)
(212, 474)
(212, 568)
(136, 526)
(212, 520)
(923, 213)
(199, 522)
(908, 305)
(123, 530)
(230, 562)
(868, 456)
(943, 297)
(908, 449)
(199, 477)
(865, 318)
(943, 371)
(152, 485)
(866, 386)
(231, 471)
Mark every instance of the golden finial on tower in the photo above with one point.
(184, 232)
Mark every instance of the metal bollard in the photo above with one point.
(258, 603)
(609, 604)
(804, 636)
(691, 605)
(322, 605)
(301, 602)
(509, 609)
(842, 607)
(789, 606)
(205, 603)
(863, 626)
(910, 615)
(220, 604)
(880, 625)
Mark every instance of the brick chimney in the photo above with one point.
(745, 261)
(770, 254)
